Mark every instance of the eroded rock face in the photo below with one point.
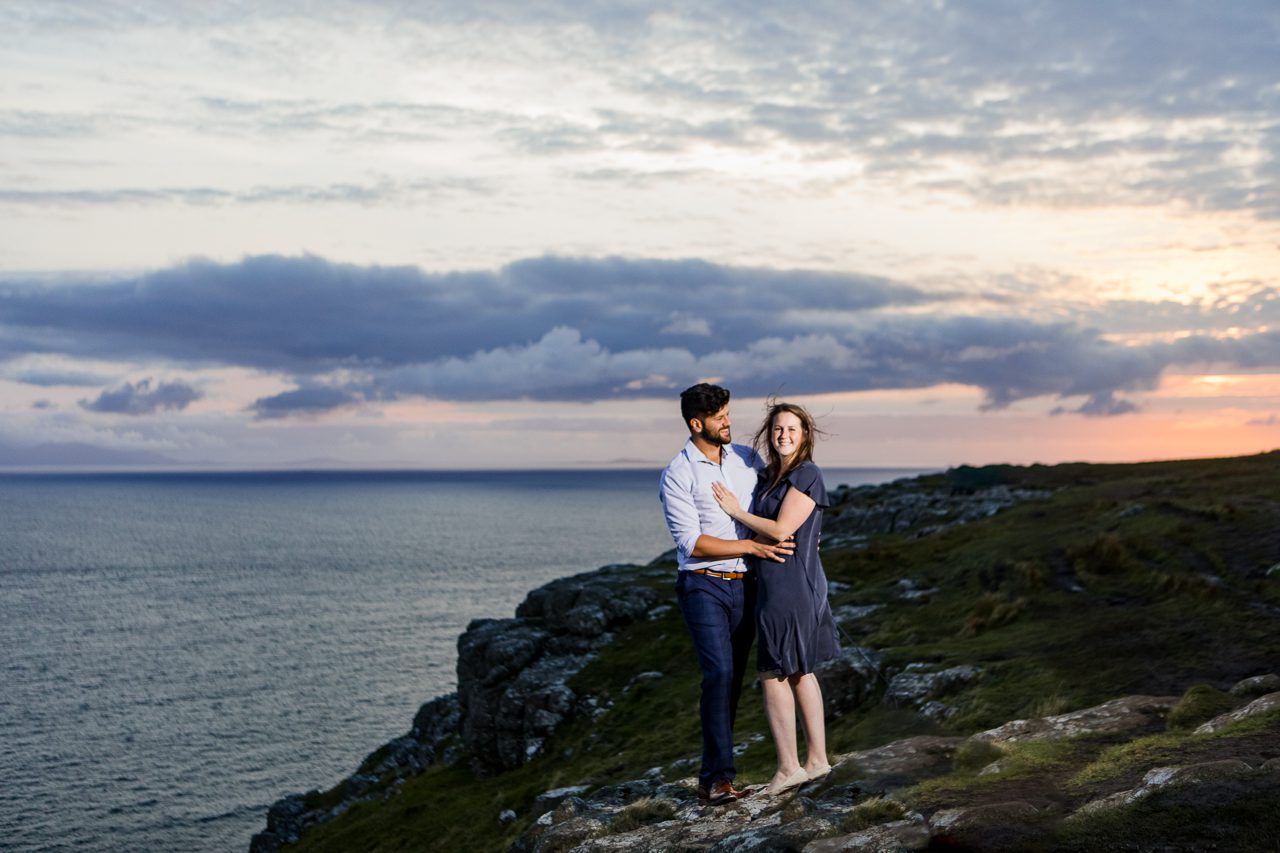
(906, 507)
(433, 738)
(512, 673)
(511, 696)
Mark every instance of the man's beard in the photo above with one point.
(717, 437)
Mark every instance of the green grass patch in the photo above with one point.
(1140, 754)
(1234, 815)
(1199, 704)
(873, 812)
(642, 813)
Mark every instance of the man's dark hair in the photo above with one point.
(702, 400)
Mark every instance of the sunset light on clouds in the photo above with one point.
(416, 234)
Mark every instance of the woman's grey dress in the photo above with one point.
(796, 629)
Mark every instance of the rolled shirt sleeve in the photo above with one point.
(681, 514)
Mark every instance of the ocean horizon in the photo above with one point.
(185, 647)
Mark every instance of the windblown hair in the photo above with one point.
(701, 400)
(775, 471)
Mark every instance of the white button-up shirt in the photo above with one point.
(691, 509)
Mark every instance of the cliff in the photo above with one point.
(1029, 653)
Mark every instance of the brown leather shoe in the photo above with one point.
(720, 793)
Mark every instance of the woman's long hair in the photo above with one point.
(764, 446)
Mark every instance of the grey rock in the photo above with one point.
(849, 679)
(1261, 705)
(850, 613)
(1259, 685)
(893, 837)
(506, 816)
(910, 589)
(1127, 715)
(561, 835)
(642, 677)
(660, 611)
(786, 835)
(917, 685)
(950, 821)
(905, 506)
(938, 711)
(512, 673)
(900, 763)
(549, 800)
(621, 793)
(587, 620)
(1163, 777)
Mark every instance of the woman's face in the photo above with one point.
(786, 434)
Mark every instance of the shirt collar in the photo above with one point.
(693, 454)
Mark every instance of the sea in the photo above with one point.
(179, 650)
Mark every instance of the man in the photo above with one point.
(715, 587)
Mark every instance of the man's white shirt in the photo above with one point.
(691, 509)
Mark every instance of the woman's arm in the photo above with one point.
(795, 508)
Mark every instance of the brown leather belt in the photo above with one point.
(724, 576)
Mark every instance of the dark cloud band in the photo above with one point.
(577, 329)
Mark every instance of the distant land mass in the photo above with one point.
(1047, 658)
(76, 454)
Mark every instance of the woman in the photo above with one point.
(796, 629)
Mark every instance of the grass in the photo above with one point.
(1130, 579)
(642, 813)
(873, 812)
(1200, 704)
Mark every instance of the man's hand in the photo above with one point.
(777, 552)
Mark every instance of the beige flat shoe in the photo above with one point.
(793, 781)
(818, 773)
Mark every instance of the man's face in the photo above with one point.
(715, 428)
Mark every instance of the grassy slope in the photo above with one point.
(1172, 559)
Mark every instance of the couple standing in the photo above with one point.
(746, 529)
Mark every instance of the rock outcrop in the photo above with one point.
(433, 738)
(912, 508)
(854, 807)
(513, 673)
(512, 693)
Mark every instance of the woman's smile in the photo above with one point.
(786, 434)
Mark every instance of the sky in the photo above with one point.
(414, 234)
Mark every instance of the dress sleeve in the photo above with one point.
(808, 479)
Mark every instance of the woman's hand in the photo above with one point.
(727, 501)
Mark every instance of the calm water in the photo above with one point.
(180, 650)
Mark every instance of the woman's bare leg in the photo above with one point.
(808, 697)
(780, 709)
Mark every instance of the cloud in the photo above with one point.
(142, 399)
(580, 329)
(1101, 404)
(385, 191)
(55, 378)
(307, 315)
(1084, 103)
(313, 399)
